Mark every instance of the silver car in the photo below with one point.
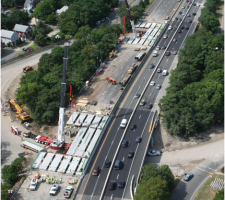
(152, 83)
(158, 87)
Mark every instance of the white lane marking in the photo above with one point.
(112, 143)
(139, 116)
(201, 169)
(111, 196)
(117, 176)
(123, 159)
(207, 167)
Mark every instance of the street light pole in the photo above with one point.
(177, 164)
(97, 62)
(216, 56)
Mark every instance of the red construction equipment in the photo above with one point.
(14, 130)
(27, 68)
(111, 80)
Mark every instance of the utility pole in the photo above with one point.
(131, 21)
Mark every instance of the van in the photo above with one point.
(155, 54)
(164, 73)
(123, 123)
(118, 164)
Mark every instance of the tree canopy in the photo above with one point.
(41, 90)
(219, 195)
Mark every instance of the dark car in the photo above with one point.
(188, 15)
(151, 66)
(182, 27)
(130, 154)
(149, 106)
(188, 6)
(174, 28)
(24, 49)
(176, 18)
(137, 95)
(194, 4)
(132, 127)
(180, 12)
(96, 171)
(193, 13)
(121, 184)
(167, 53)
(125, 143)
(180, 19)
(138, 139)
(179, 31)
(93, 103)
(112, 185)
(107, 163)
(186, 27)
(188, 176)
(164, 47)
(29, 49)
(174, 40)
(190, 21)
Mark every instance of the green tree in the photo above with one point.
(4, 190)
(8, 3)
(219, 195)
(40, 40)
(146, 2)
(41, 28)
(152, 189)
(20, 17)
(43, 10)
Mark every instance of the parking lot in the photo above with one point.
(43, 188)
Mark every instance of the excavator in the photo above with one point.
(21, 115)
(112, 54)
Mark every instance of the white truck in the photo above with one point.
(54, 189)
(33, 184)
(68, 192)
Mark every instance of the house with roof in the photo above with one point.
(30, 4)
(25, 32)
(63, 9)
(9, 36)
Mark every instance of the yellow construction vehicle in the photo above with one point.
(21, 115)
(112, 54)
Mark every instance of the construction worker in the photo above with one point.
(113, 64)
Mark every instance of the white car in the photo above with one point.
(68, 192)
(155, 54)
(152, 83)
(170, 28)
(33, 184)
(98, 22)
(54, 189)
(154, 153)
(158, 48)
(164, 73)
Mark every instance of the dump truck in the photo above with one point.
(20, 114)
(132, 68)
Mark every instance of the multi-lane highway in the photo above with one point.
(92, 187)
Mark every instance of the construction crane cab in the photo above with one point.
(22, 116)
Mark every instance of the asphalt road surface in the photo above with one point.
(188, 189)
(92, 186)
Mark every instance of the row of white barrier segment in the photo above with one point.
(47, 161)
(64, 164)
(85, 142)
(81, 167)
(88, 120)
(55, 163)
(77, 140)
(103, 122)
(80, 119)
(39, 160)
(73, 165)
(72, 118)
(96, 122)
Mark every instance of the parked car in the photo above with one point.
(68, 192)
(103, 19)
(27, 68)
(33, 184)
(112, 9)
(54, 189)
(188, 176)
(96, 171)
(138, 139)
(154, 153)
(121, 184)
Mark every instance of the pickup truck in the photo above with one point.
(68, 192)
(154, 153)
(33, 184)
(54, 189)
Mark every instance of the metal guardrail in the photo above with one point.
(26, 55)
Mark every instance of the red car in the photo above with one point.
(96, 171)
(112, 9)
(27, 68)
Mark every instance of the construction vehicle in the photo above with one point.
(112, 54)
(27, 68)
(126, 79)
(121, 38)
(21, 115)
(132, 68)
(14, 130)
(111, 80)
